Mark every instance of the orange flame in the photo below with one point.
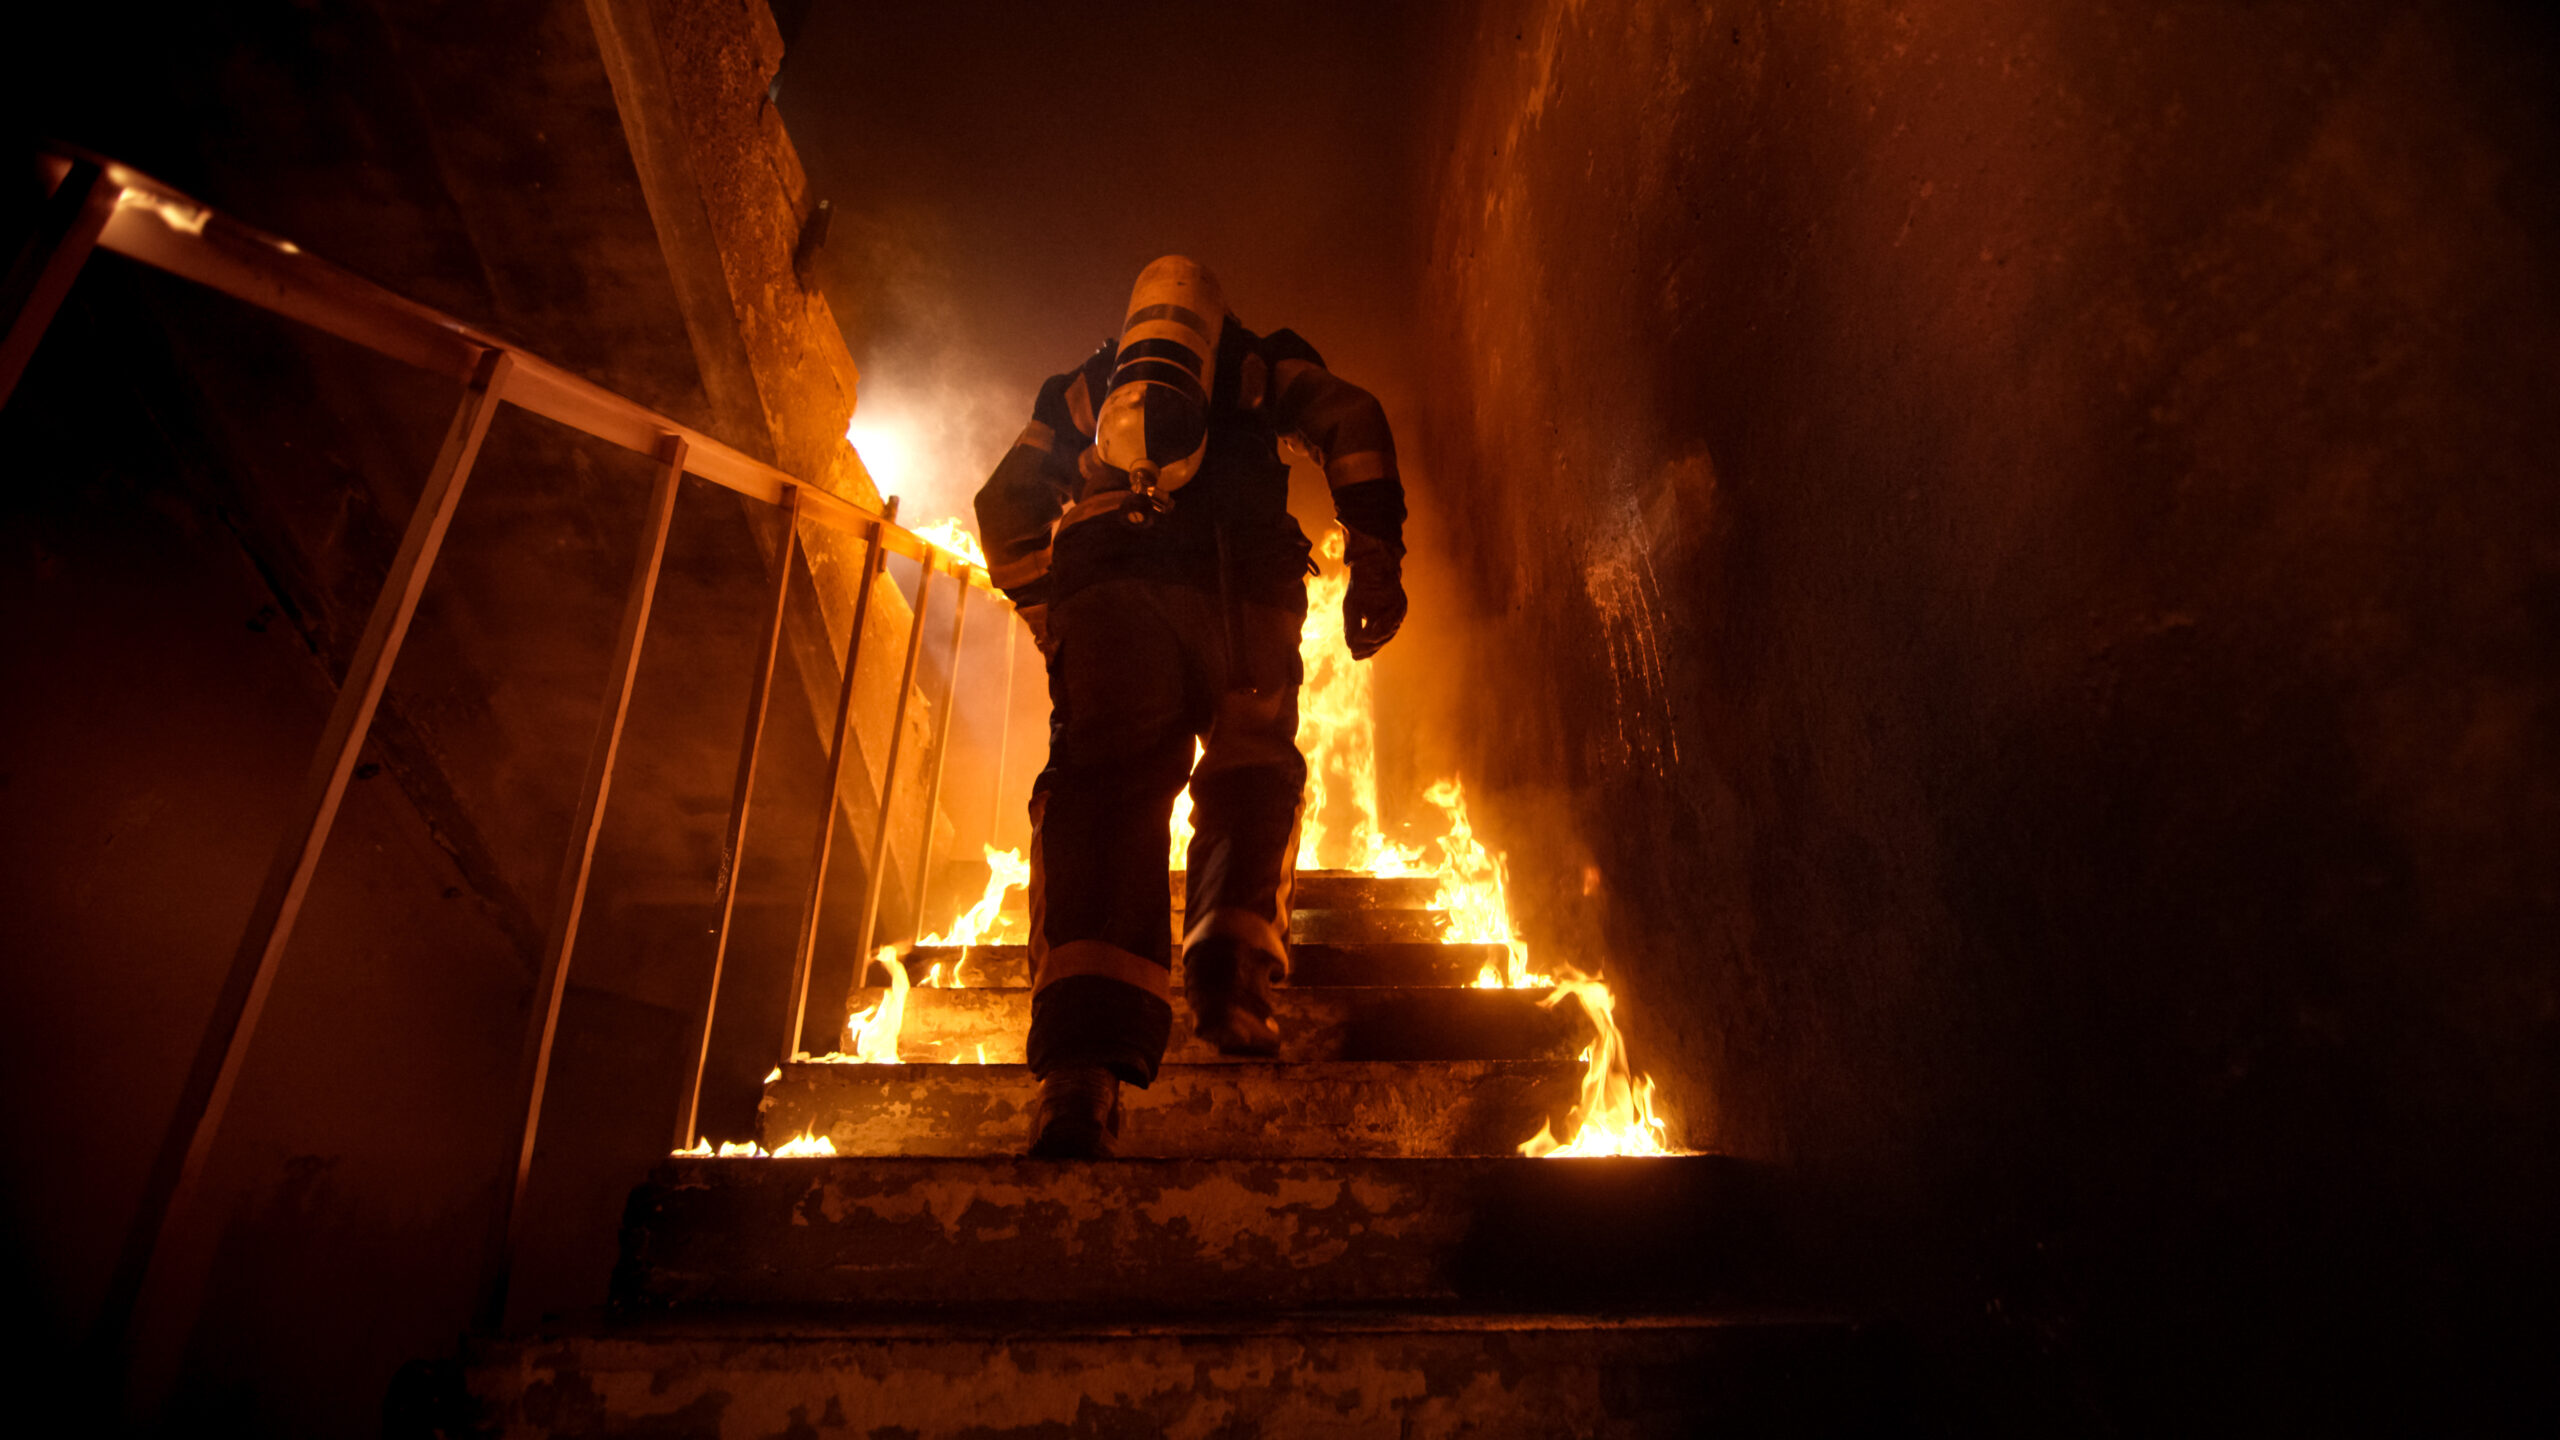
(952, 538)
(1338, 735)
(1615, 1116)
(1475, 891)
(871, 1037)
(1180, 855)
(1006, 870)
(805, 1143)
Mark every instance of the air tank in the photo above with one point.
(1154, 420)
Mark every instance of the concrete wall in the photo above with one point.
(2059, 504)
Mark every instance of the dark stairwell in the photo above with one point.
(1995, 564)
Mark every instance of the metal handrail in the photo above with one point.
(165, 228)
(99, 202)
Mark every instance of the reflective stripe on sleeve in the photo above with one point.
(1344, 470)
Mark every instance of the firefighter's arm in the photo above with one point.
(1345, 429)
(1031, 486)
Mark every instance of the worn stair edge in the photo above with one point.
(1382, 1379)
(1238, 1110)
(1398, 964)
(1315, 927)
(1313, 890)
(987, 1026)
(1182, 1233)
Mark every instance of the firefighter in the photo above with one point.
(1141, 527)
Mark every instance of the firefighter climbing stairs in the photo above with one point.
(1342, 1242)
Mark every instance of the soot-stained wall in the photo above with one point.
(2009, 557)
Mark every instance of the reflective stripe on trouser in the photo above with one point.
(1137, 670)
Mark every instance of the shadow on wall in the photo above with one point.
(2058, 507)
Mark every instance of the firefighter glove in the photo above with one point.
(1373, 608)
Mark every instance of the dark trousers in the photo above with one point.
(1137, 670)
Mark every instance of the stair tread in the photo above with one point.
(1317, 1024)
(1415, 1374)
(1244, 1110)
(1181, 1232)
(1313, 965)
(1080, 1321)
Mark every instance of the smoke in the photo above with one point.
(936, 409)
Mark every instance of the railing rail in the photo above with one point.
(97, 202)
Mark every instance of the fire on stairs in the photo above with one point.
(1350, 1239)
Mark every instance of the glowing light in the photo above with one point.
(885, 450)
(701, 1149)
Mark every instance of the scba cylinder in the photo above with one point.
(1154, 422)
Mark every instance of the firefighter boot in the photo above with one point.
(1078, 1117)
(1228, 985)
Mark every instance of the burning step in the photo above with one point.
(1390, 963)
(1238, 1109)
(986, 1026)
(1183, 1235)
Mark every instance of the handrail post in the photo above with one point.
(176, 1169)
(804, 952)
(41, 274)
(733, 855)
(568, 908)
(1004, 742)
(889, 777)
(941, 747)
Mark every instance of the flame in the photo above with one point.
(1615, 1116)
(1180, 856)
(805, 1143)
(951, 538)
(1475, 891)
(1006, 870)
(872, 1035)
(1337, 734)
(176, 214)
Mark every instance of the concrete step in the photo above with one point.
(987, 1026)
(1314, 890)
(1354, 927)
(1392, 963)
(1183, 1235)
(1257, 1110)
(1362, 1376)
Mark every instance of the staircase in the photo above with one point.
(1339, 1242)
